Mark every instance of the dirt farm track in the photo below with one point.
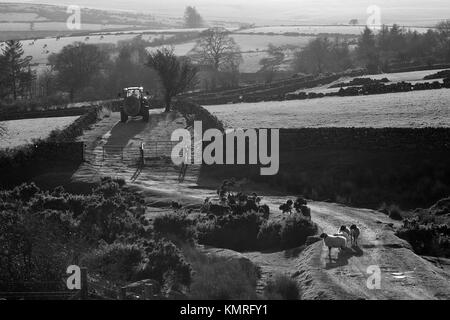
(404, 275)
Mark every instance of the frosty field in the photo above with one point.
(40, 49)
(412, 77)
(341, 29)
(407, 109)
(253, 48)
(20, 132)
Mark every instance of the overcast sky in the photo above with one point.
(291, 11)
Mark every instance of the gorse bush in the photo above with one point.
(236, 232)
(25, 191)
(251, 231)
(269, 235)
(426, 239)
(290, 232)
(221, 278)
(122, 262)
(163, 256)
(282, 287)
(174, 225)
(234, 202)
(117, 261)
(393, 211)
(241, 222)
(295, 230)
(35, 248)
(41, 233)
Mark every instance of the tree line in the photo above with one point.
(382, 51)
(15, 71)
(81, 71)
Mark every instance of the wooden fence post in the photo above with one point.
(84, 284)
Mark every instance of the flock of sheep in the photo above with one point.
(341, 239)
(240, 203)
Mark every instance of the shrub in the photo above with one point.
(25, 191)
(282, 287)
(393, 211)
(269, 235)
(395, 215)
(218, 278)
(123, 262)
(108, 220)
(430, 239)
(116, 262)
(163, 257)
(296, 229)
(175, 225)
(236, 232)
(35, 249)
(107, 188)
(41, 233)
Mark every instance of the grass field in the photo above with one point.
(339, 29)
(407, 109)
(40, 49)
(55, 26)
(253, 48)
(412, 77)
(20, 132)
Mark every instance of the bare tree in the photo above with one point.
(444, 28)
(46, 82)
(176, 74)
(444, 38)
(218, 50)
(271, 64)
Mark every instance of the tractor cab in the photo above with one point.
(134, 104)
(138, 92)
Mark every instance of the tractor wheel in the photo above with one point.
(146, 115)
(123, 116)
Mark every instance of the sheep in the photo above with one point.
(344, 232)
(334, 242)
(354, 234)
(344, 229)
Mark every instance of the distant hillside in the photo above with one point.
(23, 20)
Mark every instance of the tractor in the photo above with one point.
(135, 103)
